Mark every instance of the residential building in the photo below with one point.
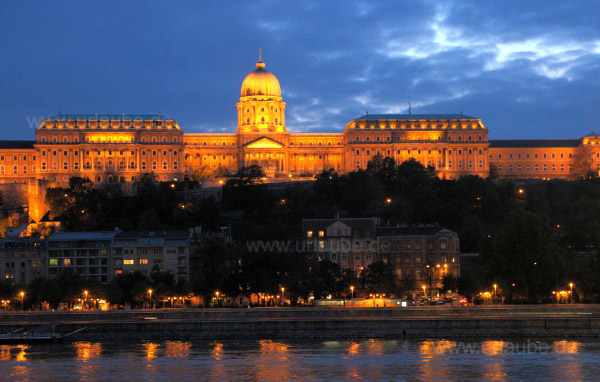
(145, 251)
(22, 259)
(86, 253)
(419, 253)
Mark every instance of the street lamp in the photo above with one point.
(496, 293)
(424, 294)
(352, 291)
(282, 295)
(22, 294)
(571, 286)
(217, 293)
(150, 293)
(85, 292)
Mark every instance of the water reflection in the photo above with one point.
(272, 363)
(434, 364)
(177, 349)
(566, 347)
(495, 369)
(150, 350)
(87, 350)
(354, 348)
(374, 347)
(272, 360)
(217, 351)
(6, 352)
(568, 365)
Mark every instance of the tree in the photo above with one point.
(450, 283)
(379, 278)
(581, 163)
(494, 174)
(217, 259)
(525, 253)
(247, 176)
(201, 173)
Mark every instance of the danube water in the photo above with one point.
(310, 360)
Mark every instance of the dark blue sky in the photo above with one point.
(529, 69)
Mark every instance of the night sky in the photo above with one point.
(528, 69)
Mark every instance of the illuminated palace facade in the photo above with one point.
(121, 148)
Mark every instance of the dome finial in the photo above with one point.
(260, 64)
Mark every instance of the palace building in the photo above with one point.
(121, 148)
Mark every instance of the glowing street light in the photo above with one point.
(217, 294)
(85, 293)
(424, 288)
(282, 295)
(150, 294)
(388, 200)
(22, 294)
(571, 286)
(496, 293)
(352, 290)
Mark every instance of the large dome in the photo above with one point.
(260, 82)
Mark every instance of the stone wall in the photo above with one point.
(283, 323)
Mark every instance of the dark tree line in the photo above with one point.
(538, 235)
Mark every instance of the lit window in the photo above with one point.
(67, 262)
(321, 233)
(143, 261)
(128, 262)
(53, 261)
(309, 234)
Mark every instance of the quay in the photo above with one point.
(318, 323)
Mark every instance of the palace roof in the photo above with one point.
(110, 117)
(360, 226)
(534, 143)
(152, 234)
(411, 231)
(16, 144)
(411, 117)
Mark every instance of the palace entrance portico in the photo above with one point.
(266, 153)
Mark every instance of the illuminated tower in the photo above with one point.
(260, 109)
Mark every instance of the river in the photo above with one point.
(312, 360)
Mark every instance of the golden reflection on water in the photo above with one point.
(219, 372)
(354, 348)
(432, 365)
(493, 347)
(568, 366)
(177, 349)
(495, 370)
(217, 351)
(270, 365)
(567, 347)
(150, 349)
(87, 350)
(429, 349)
(374, 347)
(6, 352)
